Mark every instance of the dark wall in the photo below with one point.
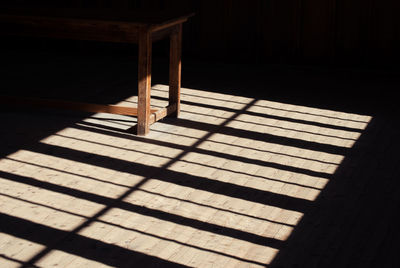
(279, 31)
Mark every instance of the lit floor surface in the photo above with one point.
(276, 179)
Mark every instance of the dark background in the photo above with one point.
(329, 32)
(334, 54)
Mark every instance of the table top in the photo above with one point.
(156, 17)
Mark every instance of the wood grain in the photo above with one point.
(144, 85)
(175, 69)
(25, 102)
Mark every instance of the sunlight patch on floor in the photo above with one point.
(14, 250)
(224, 185)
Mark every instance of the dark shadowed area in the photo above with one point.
(285, 154)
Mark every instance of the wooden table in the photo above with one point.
(110, 26)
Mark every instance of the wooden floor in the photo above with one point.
(283, 178)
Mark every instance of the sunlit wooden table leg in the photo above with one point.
(144, 84)
(175, 69)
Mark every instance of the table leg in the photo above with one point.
(175, 69)
(144, 85)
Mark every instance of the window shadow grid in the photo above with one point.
(117, 202)
(95, 217)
